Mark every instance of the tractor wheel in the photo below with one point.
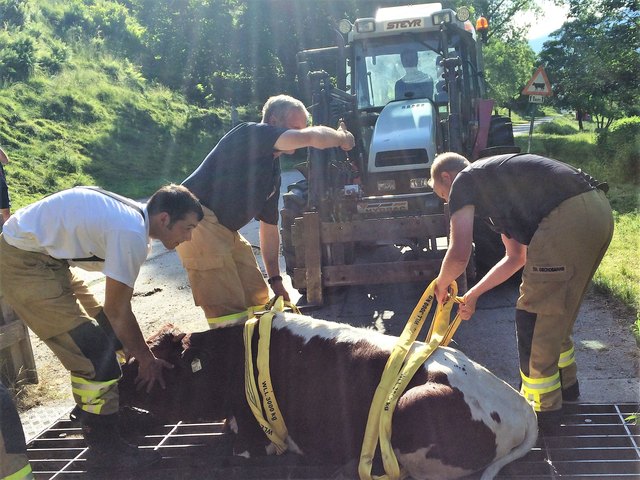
(489, 248)
(294, 202)
(500, 132)
(287, 218)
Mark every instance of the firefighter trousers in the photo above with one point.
(58, 307)
(223, 272)
(14, 464)
(562, 258)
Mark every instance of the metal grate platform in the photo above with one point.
(593, 443)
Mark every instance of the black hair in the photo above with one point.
(177, 201)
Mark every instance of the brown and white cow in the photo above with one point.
(454, 418)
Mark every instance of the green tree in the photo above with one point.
(508, 67)
(593, 60)
(186, 42)
(501, 15)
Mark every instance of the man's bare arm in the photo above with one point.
(117, 308)
(317, 137)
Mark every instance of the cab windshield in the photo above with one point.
(386, 69)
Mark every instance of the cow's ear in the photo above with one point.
(177, 337)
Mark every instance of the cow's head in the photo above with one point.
(193, 390)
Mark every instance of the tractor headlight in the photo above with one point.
(386, 185)
(463, 14)
(441, 17)
(365, 25)
(344, 26)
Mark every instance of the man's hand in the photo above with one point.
(441, 292)
(349, 142)
(150, 371)
(280, 291)
(468, 306)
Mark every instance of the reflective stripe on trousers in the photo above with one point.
(25, 473)
(89, 394)
(567, 358)
(233, 318)
(534, 388)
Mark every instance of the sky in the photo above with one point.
(551, 20)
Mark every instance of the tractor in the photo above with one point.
(409, 85)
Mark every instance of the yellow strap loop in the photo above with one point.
(278, 304)
(273, 425)
(90, 393)
(397, 373)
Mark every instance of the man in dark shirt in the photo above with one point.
(240, 180)
(556, 222)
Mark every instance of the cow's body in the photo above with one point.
(454, 418)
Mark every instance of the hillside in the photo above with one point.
(74, 110)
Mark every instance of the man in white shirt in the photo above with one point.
(95, 230)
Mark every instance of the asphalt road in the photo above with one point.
(523, 128)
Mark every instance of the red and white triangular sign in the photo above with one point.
(538, 85)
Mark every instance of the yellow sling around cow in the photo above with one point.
(399, 369)
(268, 414)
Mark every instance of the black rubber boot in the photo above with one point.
(134, 421)
(571, 394)
(108, 450)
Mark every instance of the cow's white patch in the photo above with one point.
(308, 328)
(488, 395)
(490, 399)
(422, 468)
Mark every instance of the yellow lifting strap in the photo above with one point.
(397, 373)
(272, 423)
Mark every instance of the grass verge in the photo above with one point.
(619, 272)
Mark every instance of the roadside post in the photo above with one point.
(537, 88)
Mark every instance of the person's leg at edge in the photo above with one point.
(14, 463)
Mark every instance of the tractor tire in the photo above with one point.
(500, 140)
(500, 132)
(489, 248)
(287, 217)
(294, 201)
